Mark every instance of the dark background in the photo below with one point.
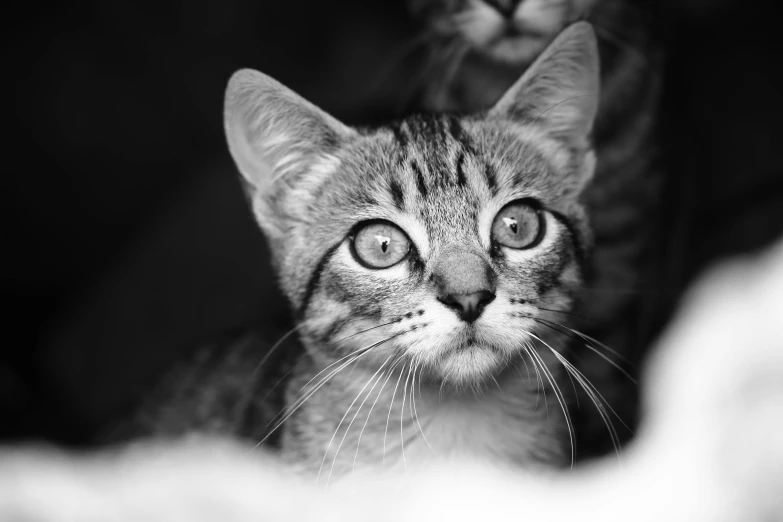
(127, 239)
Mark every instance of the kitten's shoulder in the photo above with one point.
(231, 385)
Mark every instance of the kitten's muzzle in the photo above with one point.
(465, 282)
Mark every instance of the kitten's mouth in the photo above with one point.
(470, 342)
(468, 337)
(469, 360)
(470, 364)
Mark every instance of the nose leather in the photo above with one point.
(504, 7)
(468, 306)
(464, 281)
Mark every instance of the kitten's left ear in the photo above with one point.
(271, 130)
(275, 137)
(560, 89)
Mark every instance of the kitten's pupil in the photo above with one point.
(384, 242)
(511, 223)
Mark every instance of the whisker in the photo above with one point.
(361, 433)
(266, 357)
(558, 395)
(339, 446)
(539, 381)
(402, 412)
(299, 402)
(597, 393)
(595, 396)
(547, 297)
(341, 359)
(592, 392)
(569, 314)
(391, 405)
(413, 402)
(276, 384)
(301, 398)
(587, 340)
(274, 347)
(367, 330)
(574, 332)
(596, 341)
(543, 375)
(600, 405)
(289, 410)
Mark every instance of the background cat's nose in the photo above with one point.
(504, 7)
(468, 306)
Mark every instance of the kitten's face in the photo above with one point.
(512, 31)
(449, 233)
(433, 244)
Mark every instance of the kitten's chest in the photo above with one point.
(514, 426)
(490, 429)
(512, 429)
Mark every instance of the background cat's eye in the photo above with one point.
(380, 244)
(519, 225)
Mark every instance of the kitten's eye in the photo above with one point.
(380, 244)
(518, 225)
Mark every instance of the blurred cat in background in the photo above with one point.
(477, 48)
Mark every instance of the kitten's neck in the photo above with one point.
(364, 420)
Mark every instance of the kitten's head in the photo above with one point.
(438, 241)
(511, 31)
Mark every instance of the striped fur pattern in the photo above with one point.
(385, 360)
(478, 47)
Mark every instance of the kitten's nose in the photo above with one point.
(468, 306)
(464, 281)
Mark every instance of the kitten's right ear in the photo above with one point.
(560, 89)
(275, 135)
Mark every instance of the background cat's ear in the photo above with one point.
(274, 134)
(560, 89)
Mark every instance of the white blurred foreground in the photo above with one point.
(710, 449)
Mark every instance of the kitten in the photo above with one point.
(477, 48)
(427, 263)
(709, 449)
